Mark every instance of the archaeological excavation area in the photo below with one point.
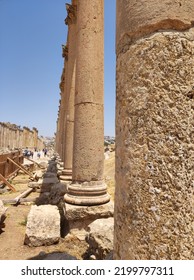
(78, 199)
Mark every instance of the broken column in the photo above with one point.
(154, 130)
(88, 186)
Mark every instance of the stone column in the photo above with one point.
(154, 130)
(1, 135)
(64, 100)
(59, 131)
(57, 135)
(88, 186)
(35, 137)
(26, 137)
(70, 88)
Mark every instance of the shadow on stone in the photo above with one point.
(53, 256)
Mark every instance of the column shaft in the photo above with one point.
(69, 129)
(154, 130)
(88, 153)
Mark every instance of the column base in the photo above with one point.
(87, 193)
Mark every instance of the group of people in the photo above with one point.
(30, 154)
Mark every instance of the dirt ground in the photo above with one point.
(12, 235)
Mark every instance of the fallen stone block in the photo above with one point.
(3, 210)
(43, 226)
(38, 174)
(43, 164)
(100, 238)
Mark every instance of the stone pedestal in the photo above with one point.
(88, 153)
(78, 218)
(154, 127)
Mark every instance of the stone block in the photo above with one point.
(43, 226)
(100, 238)
(76, 212)
(3, 210)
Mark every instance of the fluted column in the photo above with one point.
(88, 186)
(154, 130)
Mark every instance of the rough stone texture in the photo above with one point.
(75, 212)
(88, 149)
(89, 133)
(43, 226)
(78, 218)
(3, 210)
(38, 174)
(154, 143)
(100, 238)
(138, 18)
(43, 164)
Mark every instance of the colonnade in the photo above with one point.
(14, 137)
(80, 124)
(154, 122)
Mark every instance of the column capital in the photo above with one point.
(71, 14)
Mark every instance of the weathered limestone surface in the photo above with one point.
(100, 238)
(2, 213)
(89, 129)
(43, 226)
(149, 16)
(78, 218)
(76, 212)
(154, 133)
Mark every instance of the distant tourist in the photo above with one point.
(45, 152)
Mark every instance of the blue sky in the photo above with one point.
(31, 35)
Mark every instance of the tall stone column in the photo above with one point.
(1, 135)
(154, 130)
(88, 186)
(35, 137)
(64, 99)
(70, 88)
(60, 130)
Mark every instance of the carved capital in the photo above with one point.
(71, 14)
(65, 51)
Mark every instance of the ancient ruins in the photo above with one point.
(153, 203)
(81, 113)
(13, 137)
